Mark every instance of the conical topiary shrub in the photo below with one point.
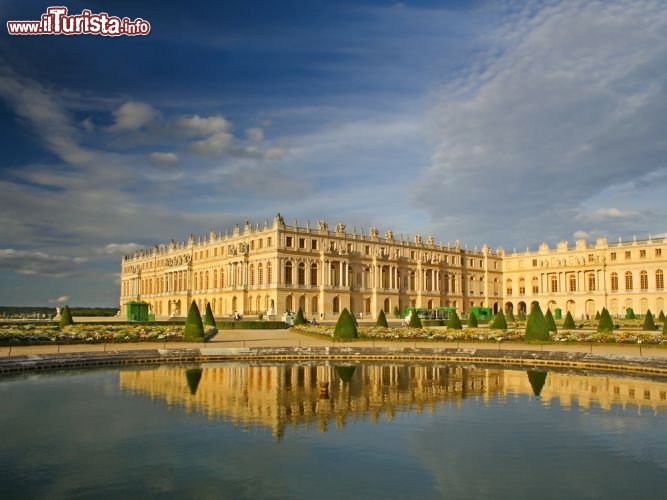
(299, 319)
(499, 322)
(597, 315)
(630, 313)
(209, 320)
(382, 320)
(537, 380)
(664, 329)
(345, 327)
(397, 312)
(551, 323)
(661, 316)
(472, 320)
(415, 322)
(193, 377)
(605, 324)
(65, 317)
(454, 322)
(194, 328)
(510, 316)
(536, 326)
(568, 324)
(649, 324)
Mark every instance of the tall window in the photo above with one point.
(207, 282)
(302, 274)
(628, 280)
(536, 285)
(252, 275)
(268, 273)
(614, 282)
(288, 272)
(260, 273)
(643, 280)
(215, 278)
(591, 282)
(509, 286)
(554, 284)
(222, 278)
(659, 279)
(573, 282)
(313, 274)
(522, 286)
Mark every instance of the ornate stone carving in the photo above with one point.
(418, 239)
(431, 240)
(340, 228)
(389, 235)
(374, 232)
(322, 225)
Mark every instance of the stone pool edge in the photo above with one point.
(514, 358)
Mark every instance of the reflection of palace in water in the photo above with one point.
(284, 395)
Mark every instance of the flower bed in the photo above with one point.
(24, 334)
(488, 335)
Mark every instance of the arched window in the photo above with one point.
(573, 282)
(554, 283)
(288, 272)
(535, 283)
(222, 278)
(268, 273)
(659, 279)
(302, 274)
(614, 282)
(628, 280)
(509, 286)
(215, 278)
(522, 286)
(252, 276)
(260, 274)
(196, 282)
(643, 280)
(591, 282)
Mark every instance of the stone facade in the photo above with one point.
(585, 278)
(277, 267)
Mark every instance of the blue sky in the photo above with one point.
(504, 123)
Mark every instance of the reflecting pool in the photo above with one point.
(306, 430)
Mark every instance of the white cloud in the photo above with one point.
(570, 99)
(132, 116)
(120, 248)
(165, 159)
(615, 213)
(274, 153)
(213, 146)
(255, 135)
(36, 262)
(197, 126)
(60, 300)
(579, 235)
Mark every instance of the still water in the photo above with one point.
(378, 431)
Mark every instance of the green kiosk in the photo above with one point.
(137, 311)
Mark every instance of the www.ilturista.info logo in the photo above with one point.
(55, 21)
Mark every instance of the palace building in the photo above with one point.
(276, 267)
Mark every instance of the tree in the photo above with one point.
(209, 320)
(568, 324)
(597, 315)
(66, 317)
(630, 313)
(661, 316)
(649, 324)
(415, 322)
(605, 324)
(472, 320)
(299, 319)
(194, 328)
(397, 312)
(382, 320)
(499, 322)
(345, 327)
(664, 329)
(454, 322)
(551, 323)
(536, 326)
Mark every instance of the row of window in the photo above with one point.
(591, 282)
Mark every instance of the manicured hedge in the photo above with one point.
(433, 322)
